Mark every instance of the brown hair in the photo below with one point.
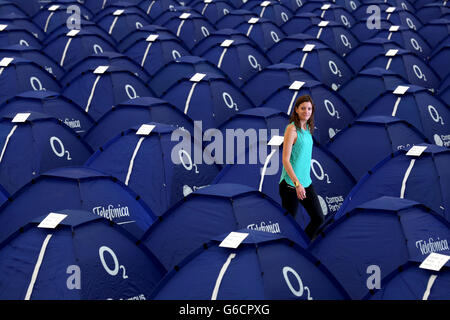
(294, 117)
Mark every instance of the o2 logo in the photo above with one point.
(114, 271)
(302, 290)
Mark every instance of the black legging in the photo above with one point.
(311, 204)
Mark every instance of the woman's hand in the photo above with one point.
(301, 192)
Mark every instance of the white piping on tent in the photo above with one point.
(145, 54)
(113, 24)
(130, 166)
(48, 20)
(179, 27)
(65, 52)
(7, 140)
(394, 111)
(92, 94)
(292, 102)
(37, 267)
(221, 274)
(265, 168)
(219, 64)
(405, 178)
(188, 100)
(429, 286)
(150, 6)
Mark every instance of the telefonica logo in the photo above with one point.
(427, 247)
(72, 123)
(270, 227)
(111, 212)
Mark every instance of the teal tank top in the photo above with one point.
(300, 159)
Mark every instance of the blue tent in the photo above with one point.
(444, 90)
(435, 31)
(263, 267)
(299, 23)
(271, 79)
(332, 113)
(336, 13)
(362, 11)
(427, 181)
(33, 146)
(323, 62)
(410, 282)
(24, 22)
(331, 180)
(383, 233)
(402, 17)
(19, 75)
(385, 134)
(271, 10)
(183, 67)
(293, 5)
(104, 261)
(350, 5)
(53, 14)
(51, 103)
(173, 173)
(282, 48)
(120, 22)
(104, 59)
(432, 11)
(97, 91)
(111, 6)
(367, 50)
(211, 211)
(7, 7)
(70, 48)
(234, 18)
(86, 26)
(262, 31)
(142, 33)
(240, 60)
(217, 37)
(190, 28)
(408, 65)
(132, 113)
(176, 11)
(367, 85)
(11, 34)
(156, 51)
(335, 35)
(33, 54)
(310, 6)
(439, 57)
(408, 39)
(76, 188)
(418, 107)
(213, 10)
(155, 8)
(362, 32)
(207, 97)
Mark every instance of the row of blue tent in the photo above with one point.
(173, 209)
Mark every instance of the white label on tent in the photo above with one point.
(3, 27)
(152, 37)
(226, 43)
(101, 69)
(185, 15)
(401, 90)
(118, 12)
(325, 7)
(145, 129)
(323, 23)
(308, 47)
(197, 77)
(435, 261)
(72, 33)
(416, 151)
(265, 3)
(53, 8)
(207, 1)
(276, 141)
(5, 62)
(52, 220)
(296, 85)
(233, 240)
(253, 20)
(390, 9)
(391, 52)
(394, 28)
(21, 117)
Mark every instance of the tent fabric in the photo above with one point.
(262, 267)
(211, 211)
(170, 177)
(104, 261)
(386, 233)
(77, 188)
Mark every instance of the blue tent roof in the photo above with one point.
(386, 232)
(211, 211)
(101, 253)
(264, 266)
(76, 188)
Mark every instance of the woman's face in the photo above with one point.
(304, 111)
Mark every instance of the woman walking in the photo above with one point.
(295, 184)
